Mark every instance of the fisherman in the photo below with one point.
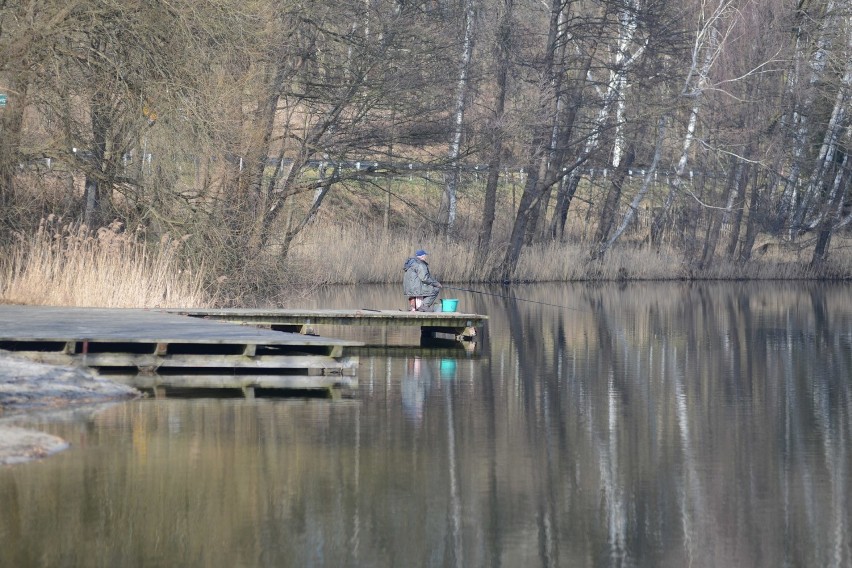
(418, 285)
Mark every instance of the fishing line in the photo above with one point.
(514, 298)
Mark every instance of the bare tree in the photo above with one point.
(326, 111)
(713, 27)
(30, 32)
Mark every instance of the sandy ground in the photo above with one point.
(27, 387)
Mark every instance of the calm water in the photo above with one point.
(644, 425)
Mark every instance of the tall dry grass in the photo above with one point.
(328, 253)
(68, 264)
(71, 265)
(355, 254)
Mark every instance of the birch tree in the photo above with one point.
(811, 45)
(711, 30)
(553, 162)
(615, 97)
(822, 187)
(461, 95)
(739, 132)
(833, 159)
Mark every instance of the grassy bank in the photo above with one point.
(70, 265)
(73, 266)
(355, 254)
(348, 244)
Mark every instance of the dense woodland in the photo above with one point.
(718, 128)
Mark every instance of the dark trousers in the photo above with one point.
(427, 302)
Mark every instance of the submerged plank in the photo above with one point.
(289, 362)
(281, 382)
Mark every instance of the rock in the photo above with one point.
(18, 445)
(26, 386)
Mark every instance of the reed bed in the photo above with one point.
(356, 253)
(71, 265)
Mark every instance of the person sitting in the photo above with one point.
(418, 285)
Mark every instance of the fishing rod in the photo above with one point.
(513, 298)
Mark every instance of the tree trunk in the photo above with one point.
(613, 97)
(98, 169)
(542, 190)
(567, 189)
(613, 196)
(827, 159)
(719, 217)
(567, 185)
(737, 212)
(755, 212)
(519, 228)
(11, 120)
(640, 195)
(504, 37)
(539, 150)
(831, 215)
(551, 159)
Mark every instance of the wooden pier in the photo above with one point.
(170, 351)
(456, 325)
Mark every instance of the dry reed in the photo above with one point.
(71, 265)
(354, 253)
(361, 254)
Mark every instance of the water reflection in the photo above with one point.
(652, 425)
(415, 382)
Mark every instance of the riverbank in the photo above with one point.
(27, 387)
(68, 266)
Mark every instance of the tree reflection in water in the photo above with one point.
(655, 424)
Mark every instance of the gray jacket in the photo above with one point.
(417, 280)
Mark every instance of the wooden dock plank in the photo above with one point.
(364, 316)
(151, 339)
(46, 323)
(461, 326)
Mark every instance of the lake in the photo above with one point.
(651, 424)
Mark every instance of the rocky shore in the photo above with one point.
(27, 387)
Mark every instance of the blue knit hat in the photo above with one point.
(420, 252)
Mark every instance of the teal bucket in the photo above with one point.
(448, 305)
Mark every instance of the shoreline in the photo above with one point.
(27, 386)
